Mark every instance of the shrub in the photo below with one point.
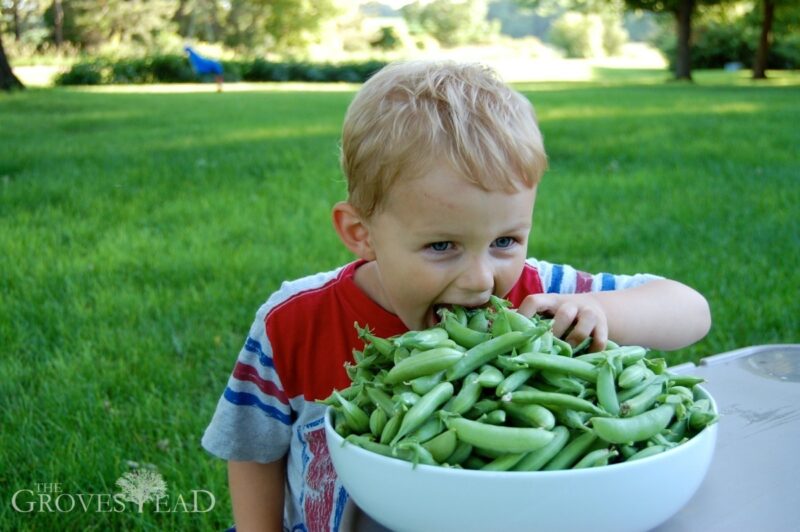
(84, 73)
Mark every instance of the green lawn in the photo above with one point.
(140, 233)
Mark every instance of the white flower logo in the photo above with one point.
(141, 486)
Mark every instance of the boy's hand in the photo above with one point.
(575, 317)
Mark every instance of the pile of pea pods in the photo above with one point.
(494, 390)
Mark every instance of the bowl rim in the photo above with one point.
(334, 438)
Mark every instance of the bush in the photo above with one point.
(87, 73)
(176, 69)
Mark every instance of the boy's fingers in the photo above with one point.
(564, 318)
(542, 304)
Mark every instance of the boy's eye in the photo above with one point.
(440, 246)
(503, 242)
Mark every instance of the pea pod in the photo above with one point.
(377, 422)
(385, 347)
(504, 462)
(490, 376)
(424, 363)
(596, 458)
(532, 415)
(424, 384)
(486, 352)
(555, 399)
(642, 402)
(423, 408)
(467, 396)
(513, 381)
(356, 418)
(462, 451)
(572, 452)
(606, 389)
(569, 366)
(501, 438)
(462, 334)
(478, 321)
(427, 339)
(442, 446)
(632, 429)
(535, 460)
(652, 450)
(392, 427)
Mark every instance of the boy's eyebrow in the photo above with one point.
(446, 235)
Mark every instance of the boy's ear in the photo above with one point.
(352, 230)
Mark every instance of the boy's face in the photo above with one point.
(439, 240)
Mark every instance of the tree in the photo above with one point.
(760, 62)
(8, 80)
(451, 22)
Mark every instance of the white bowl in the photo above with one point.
(629, 496)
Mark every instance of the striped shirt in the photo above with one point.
(295, 354)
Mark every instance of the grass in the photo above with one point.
(142, 231)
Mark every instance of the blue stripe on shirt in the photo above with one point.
(248, 399)
(608, 282)
(254, 346)
(555, 278)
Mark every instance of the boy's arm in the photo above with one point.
(257, 492)
(661, 314)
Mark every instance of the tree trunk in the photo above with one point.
(8, 80)
(760, 62)
(683, 60)
(58, 23)
(15, 22)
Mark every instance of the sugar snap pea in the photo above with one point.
(486, 352)
(572, 452)
(462, 334)
(563, 364)
(596, 458)
(422, 409)
(555, 399)
(424, 363)
(535, 460)
(501, 438)
(632, 429)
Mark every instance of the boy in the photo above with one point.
(442, 162)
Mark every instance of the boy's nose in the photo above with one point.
(478, 278)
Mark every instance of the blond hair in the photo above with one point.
(412, 115)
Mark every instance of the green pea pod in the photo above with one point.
(501, 438)
(513, 381)
(479, 322)
(424, 363)
(365, 443)
(413, 452)
(349, 393)
(486, 352)
(563, 383)
(426, 339)
(517, 321)
(683, 380)
(423, 408)
(598, 457)
(500, 324)
(572, 452)
(377, 422)
(566, 365)
(532, 415)
(381, 400)
(561, 347)
(357, 419)
(556, 399)
(652, 450)
(535, 460)
(490, 376)
(504, 462)
(442, 446)
(406, 399)
(462, 334)
(432, 427)
(461, 314)
(632, 429)
(467, 396)
(392, 427)
(495, 417)
(385, 347)
(462, 451)
(424, 384)
(607, 390)
(642, 402)
(572, 418)
(632, 375)
(633, 391)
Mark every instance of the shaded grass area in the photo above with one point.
(142, 231)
